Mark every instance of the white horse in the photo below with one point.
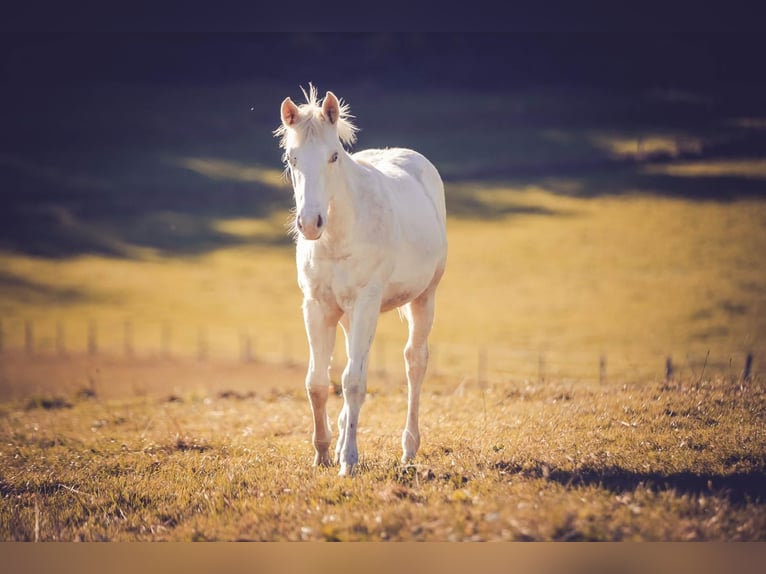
(371, 236)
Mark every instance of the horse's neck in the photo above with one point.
(346, 198)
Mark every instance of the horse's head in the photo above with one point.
(313, 138)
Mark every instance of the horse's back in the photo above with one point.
(402, 164)
(410, 186)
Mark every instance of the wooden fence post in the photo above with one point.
(29, 337)
(704, 365)
(166, 336)
(128, 339)
(668, 369)
(60, 339)
(602, 369)
(92, 338)
(246, 347)
(287, 358)
(481, 367)
(381, 357)
(748, 367)
(201, 344)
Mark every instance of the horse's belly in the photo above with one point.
(397, 297)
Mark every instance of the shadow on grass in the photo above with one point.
(78, 178)
(15, 288)
(51, 214)
(464, 204)
(737, 487)
(89, 169)
(612, 178)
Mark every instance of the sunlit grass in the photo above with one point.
(216, 168)
(273, 228)
(635, 277)
(164, 433)
(749, 123)
(642, 146)
(747, 168)
(518, 461)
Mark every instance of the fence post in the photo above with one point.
(748, 367)
(602, 369)
(541, 368)
(381, 357)
(668, 369)
(704, 365)
(481, 372)
(92, 338)
(246, 347)
(29, 337)
(288, 351)
(166, 334)
(128, 339)
(1, 336)
(201, 344)
(60, 339)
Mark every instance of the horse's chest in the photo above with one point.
(339, 281)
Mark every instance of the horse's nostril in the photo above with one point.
(299, 222)
(319, 221)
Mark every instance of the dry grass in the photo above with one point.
(508, 461)
(105, 449)
(635, 277)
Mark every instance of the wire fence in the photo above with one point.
(165, 340)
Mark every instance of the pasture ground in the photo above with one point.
(636, 278)
(629, 226)
(111, 450)
(626, 224)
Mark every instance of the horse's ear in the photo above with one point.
(290, 112)
(331, 108)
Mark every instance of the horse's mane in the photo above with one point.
(310, 114)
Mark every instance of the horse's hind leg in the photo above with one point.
(420, 317)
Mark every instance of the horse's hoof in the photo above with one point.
(322, 457)
(346, 470)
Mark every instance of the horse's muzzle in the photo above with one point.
(310, 229)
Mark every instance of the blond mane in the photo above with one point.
(310, 115)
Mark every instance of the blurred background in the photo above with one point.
(606, 193)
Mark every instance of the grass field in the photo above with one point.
(629, 225)
(592, 236)
(183, 452)
(636, 278)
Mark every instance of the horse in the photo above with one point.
(370, 234)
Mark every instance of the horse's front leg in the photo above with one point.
(363, 320)
(342, 415)
(321, 325)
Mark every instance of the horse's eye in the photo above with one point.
(334, 157)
